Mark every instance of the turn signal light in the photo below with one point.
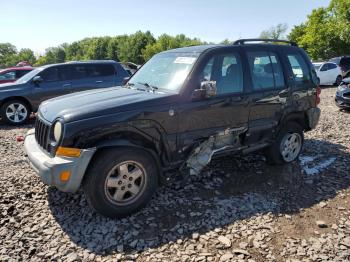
(64, 176)
(67, 151)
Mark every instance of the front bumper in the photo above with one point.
(341, 99)
(50, 168)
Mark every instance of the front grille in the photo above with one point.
(347, 95)
(42, 132)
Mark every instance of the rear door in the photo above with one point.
(101, 75)
(269, 92)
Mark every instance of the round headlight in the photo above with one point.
(57, 131)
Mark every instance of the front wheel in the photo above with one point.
(15, 112)
(287, 146)
(120, 181)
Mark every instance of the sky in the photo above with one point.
(39, 24)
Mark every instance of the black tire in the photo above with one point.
(274, 152)
(95, 185)
(338, 80)
(20, 117)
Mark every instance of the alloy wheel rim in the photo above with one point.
(290, 146)
(125, 183)
(16, 112)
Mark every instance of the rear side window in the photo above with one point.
(266, 70)
(300, 68)
(332, 66)
(101, 70)
(79, 71)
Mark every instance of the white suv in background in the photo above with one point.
(328, 73)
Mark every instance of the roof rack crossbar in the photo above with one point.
(243, 41)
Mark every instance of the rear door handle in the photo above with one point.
(67, 85)
(99, 82)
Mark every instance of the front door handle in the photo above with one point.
(236, 99)
(99, 82)
(67, 85)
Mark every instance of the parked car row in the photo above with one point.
(20, 98)
(177, 112)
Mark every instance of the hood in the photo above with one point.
(98, 102)
(10, 86)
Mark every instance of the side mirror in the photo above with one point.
(125, 80)
(37, 80)
(208, 89)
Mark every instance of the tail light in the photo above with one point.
(318, 93)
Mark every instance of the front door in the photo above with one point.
(56, 82)
(228, 109)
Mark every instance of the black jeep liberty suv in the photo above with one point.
(182, 108)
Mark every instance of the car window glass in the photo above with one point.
(332, 66)
(100, 70)
(11, 75)
(79, 71)
(300, 69)
(20, 73)
(50, 74)
(266, 70)
(226, 70)
(324, 67)
(65, 73)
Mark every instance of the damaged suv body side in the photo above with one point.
(182, 108)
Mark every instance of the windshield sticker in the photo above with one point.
(184, 60)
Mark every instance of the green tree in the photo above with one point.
(26, 54)
(275, 32)
(326, 33)
(131, 49)
(166, 42)
(7, 54)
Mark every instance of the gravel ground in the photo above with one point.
(240, 210)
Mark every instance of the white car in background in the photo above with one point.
(328, 73)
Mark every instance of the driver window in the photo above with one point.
(226, 70)
(50, 74)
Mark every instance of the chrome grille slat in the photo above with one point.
(42, 132)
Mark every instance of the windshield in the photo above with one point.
(29, 76)
(166, 71)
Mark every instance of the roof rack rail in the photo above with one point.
(243, 41)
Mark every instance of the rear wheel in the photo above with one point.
(120, 181)
(15, 112)
(287, 146)
(338, 80)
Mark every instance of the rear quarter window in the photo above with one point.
(301, 71)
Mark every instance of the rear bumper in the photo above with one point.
(313, 115)
(50, 168)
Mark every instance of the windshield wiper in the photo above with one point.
(153, 88)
